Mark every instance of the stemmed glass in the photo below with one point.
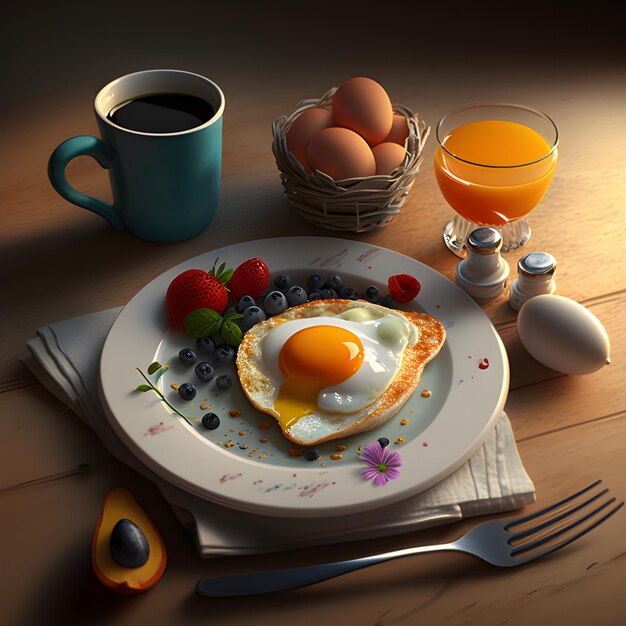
(493, 165)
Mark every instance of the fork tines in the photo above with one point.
(560, 524)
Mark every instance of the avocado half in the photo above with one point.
(119, 504)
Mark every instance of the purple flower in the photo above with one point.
(383, 463)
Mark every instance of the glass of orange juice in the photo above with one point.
(493, 165)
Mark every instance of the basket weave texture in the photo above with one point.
(355, 204)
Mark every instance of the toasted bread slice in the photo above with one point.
(261, 391)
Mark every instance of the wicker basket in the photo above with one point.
(355, 204)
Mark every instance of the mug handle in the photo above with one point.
(82, 145)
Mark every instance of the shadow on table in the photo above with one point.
(73, 595)
(83, 257)
(380, 584)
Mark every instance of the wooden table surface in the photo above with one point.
(58, 261)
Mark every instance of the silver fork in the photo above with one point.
(497, 542)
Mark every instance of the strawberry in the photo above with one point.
(251, 278)
(196, 289)
(403, 288)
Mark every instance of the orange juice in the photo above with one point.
(499, 171)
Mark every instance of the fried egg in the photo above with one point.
(330, 368)
(334, 364)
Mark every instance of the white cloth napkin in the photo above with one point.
(64, 357)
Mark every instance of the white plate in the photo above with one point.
(468, 381)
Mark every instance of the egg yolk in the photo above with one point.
(311, 359)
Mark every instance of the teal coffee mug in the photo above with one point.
(162, 144)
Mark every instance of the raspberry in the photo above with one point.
(403, 288)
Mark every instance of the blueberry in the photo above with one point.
(328, 293)
(274, 303)
(315, 295)
(283, 281)
(386, 301)
(384, 442)
(224, 353)
(210, 421)
(204, 371)
(206, 345)
(311, 455)
(187, 391)
(334, 282)
(187, 356)
(371, 293)
(244, 303)
(224, 382)
(296, 295)
(251, 316)
(314, 282)
(346, 292)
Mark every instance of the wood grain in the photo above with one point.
(58, 261)
(580, 582)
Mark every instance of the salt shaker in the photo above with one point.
(484, 272)
(535, 277)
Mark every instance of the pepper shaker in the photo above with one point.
(535, 277)
(484, 272)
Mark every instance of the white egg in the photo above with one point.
(383, 338)
(563, 335)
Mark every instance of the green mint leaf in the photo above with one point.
(154, 367)
(232, 315)
(203, 323)
(231, 333)
(143, 388)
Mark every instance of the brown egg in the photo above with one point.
(388, 156)
(363, 106)
(340, 153)
(399, 130)
(303, 128)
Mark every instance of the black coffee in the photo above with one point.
(162, 113)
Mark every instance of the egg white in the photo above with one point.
(384, 340)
